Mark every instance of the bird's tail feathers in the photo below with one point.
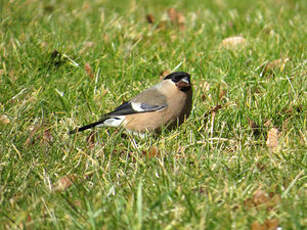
(89, 126)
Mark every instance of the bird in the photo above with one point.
(166, 104)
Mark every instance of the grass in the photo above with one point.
(213, 172)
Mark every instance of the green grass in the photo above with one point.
(207, 171)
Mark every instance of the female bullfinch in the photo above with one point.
(166, 104)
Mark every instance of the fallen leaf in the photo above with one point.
(4, 119)
(176, 18)
(43, 44)
(153, 152)
(272, 139)
(88, 70)
(64, 183)
(260, 197)
(234, 42)
(276, 64)
(222, 93)
(256, 226)
(271, 224)
(172, 14)
(150, 18)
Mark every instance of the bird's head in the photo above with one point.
(181, 80)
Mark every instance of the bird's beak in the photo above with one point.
(185, 80)
(183, 83)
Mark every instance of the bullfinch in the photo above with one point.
(166, 104)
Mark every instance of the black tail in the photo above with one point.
(89, 126)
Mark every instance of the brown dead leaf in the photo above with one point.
(222, 93)
(176, 18)
(164, 73)
(271, 224)
(91, 139)
(256, 226)
(44, 44)
(172, 15)
(150, 18)
(153, 152)
(88, 70)
(260, 197)
(234, 42)
(273, 139)
(4, 119)
(276, 64)
(64, 183)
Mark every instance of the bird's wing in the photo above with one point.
(149, 100)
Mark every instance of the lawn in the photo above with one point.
(238, 162)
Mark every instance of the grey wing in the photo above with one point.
(149, 100)
(151, 97)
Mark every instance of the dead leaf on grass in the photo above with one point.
(64, 183)
(271, 224)
(278, 64)
(4, 119)
(260, 197)
(234, 42)
(153, 152)
(150, 18)
(88, 70)
(176, 18)
(273, 139)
